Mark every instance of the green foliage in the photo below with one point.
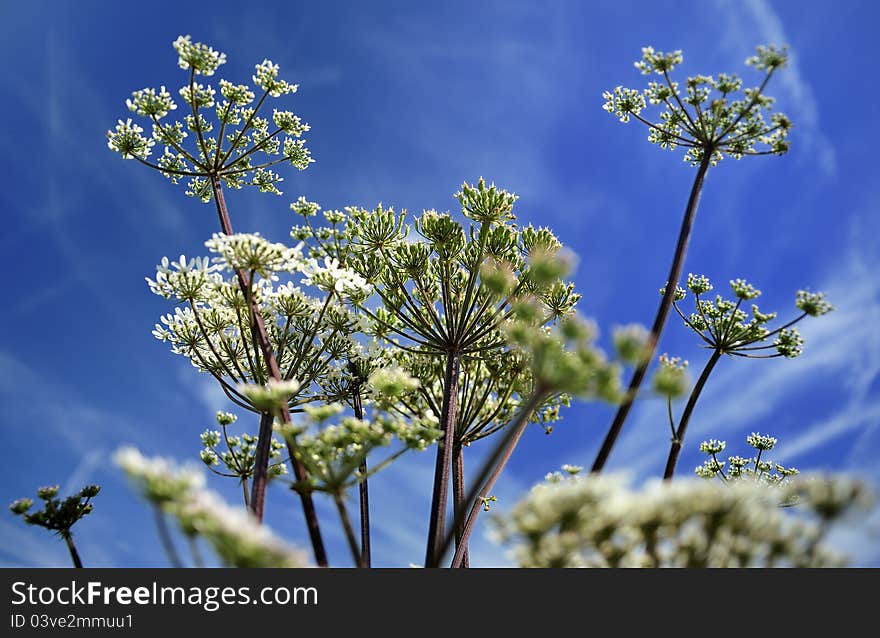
(450, 325)
(333, 454)
(212, 325)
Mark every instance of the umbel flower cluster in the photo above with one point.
(376, 333)
(449, 291)
(599, 521)
(223, 136)
(710, 116)
(233, 533)
(308, 323)
(235, 456)
(727, 329)
(756, 467)
(58, 515)
(724, 325)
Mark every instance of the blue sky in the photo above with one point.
(406, 101)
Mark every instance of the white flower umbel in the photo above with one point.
(127, 139)
(231, 144)
(236, 536)
(250, 251)
(185, 279)
(599, 521)
(269, 396)
(334, 278)
(159, 480)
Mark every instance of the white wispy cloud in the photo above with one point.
(25, 546)
(474, 134)
(749, 23)
(204, 388)
(84, 472)
(65, 417)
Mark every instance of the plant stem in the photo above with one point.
(262, 338)
(436, 527)
(675, 448)
(194, 550)
(489, 473)
(675, 269)
(349, 530)
(458, 497)
(363, 488)
(74, 555)
(165, 537)
(261, 464)
(247, 496)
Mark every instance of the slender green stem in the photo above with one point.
(363, 487)
(678, 439)
(194, 550)
(246, 492)
(720, 469)
(195, 111)
(165, 537)
(261, 464)
(74, 554)
(170, 171)
(662, 313)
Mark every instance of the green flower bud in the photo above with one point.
(20, 506)
(47, 493)
(631, 343)
(671, 379)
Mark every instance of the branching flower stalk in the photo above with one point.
(363, 486)
(211, 166)
(238, 458)
(727, 329)
(756, 469)
(491, 394)
(58, 516)
(333, 454)
(562, 361)
(712, 118)
(445, 292)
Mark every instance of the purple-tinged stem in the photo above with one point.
(258, 491)
(490, 473)
(363, 488)
(458, 496)
(675, 269)
(437, 524)
(675, 448)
